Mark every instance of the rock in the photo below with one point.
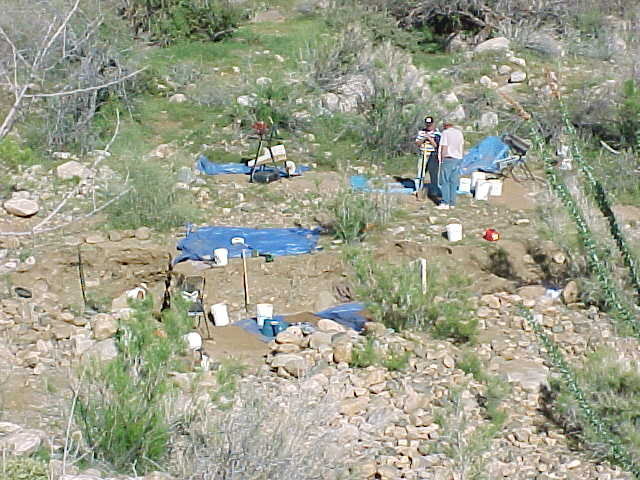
(162, 151)
(492, 45)
(94, 238)
(570, 293)
(158, 476)
(263, 81)
(488, 120)
(143, 233)
(21, 207)
(487, 82)
(530, 375)
(291, 335)
(318, 339)
(102, 351)
(296, 365)
(80, 477)
(451, 99)
(186, 175)
(324, 300)
(115, 236)
(490, 301)
(375, 328)
(504, 69)
(8, 427)
(457, 115)
(246, 101)
(178, 98)
(23, 442)
(545, 44)
(342, 352)
(326, 325)
(104, 326)
(532, 292)
(73, 169)
(517, 77)
(518, 61)
(559, 258)
(353, 406)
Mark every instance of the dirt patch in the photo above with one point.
(515, 196)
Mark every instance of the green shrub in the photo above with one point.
(396, 361)
(365, 355)
(629, 114)
(23, 468)
(13, 155)
(613, 391)
(153, 201)
(168, 21)
(226, 378)
(121, 404)
(356, 213)
(393, 294)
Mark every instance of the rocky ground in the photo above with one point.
(429, 420)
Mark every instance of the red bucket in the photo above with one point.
(491, 235)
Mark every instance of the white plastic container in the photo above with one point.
(264, 311)
(482, 190)
(465, 185)
(454, 232)
(496, 187)
(477, 177)
(237, 241)
(220, 314)
(221, 256)
(193, 340)
(290, 167)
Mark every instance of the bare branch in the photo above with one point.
(115, 133)
(87, 89)
(62, 27)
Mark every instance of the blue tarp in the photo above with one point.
(348, 315)
(364, 184)
(210, 168)
(200, 244)
(484, 156)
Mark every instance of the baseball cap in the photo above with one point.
(428, 119)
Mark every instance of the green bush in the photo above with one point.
(629, 114)
(365, 355)
(153, 201)
(23, 468)
(121, 407)
(613, 391)
(356, 213)
(393, 294)
(13, 155)
(168, 21)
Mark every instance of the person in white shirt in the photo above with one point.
(450, 153)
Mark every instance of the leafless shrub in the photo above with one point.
(266, 434)
(61, 60)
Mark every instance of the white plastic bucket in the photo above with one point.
(465, 185)
(476, 177)
(496, 187)
(482, 190)
(221, 256)
(193, 340)
(220, 314)
(290, 167)
(137, 293)
(454, 232)
(264, 312)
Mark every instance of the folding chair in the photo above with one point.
(515, 165)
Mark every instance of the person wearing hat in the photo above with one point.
(427, 140)
(450, 153)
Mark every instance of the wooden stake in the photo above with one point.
(423, 275)
(246, 282)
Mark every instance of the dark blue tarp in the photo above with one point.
(348, 315)
(484, 155)
(210, 168)
(200, 244)
(364, 184)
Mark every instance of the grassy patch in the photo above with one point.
(613, 391)
(369, 354)
(393, 294)
(13, 155)
(23, 468)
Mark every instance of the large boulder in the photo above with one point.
(72, 169)
(493, 45)
(104, 326)
(23, 442)
(21, 207)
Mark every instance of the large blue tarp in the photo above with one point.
(348, 315)
(364, 184)
(200, 244)
(484, 156)
(210, 168)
